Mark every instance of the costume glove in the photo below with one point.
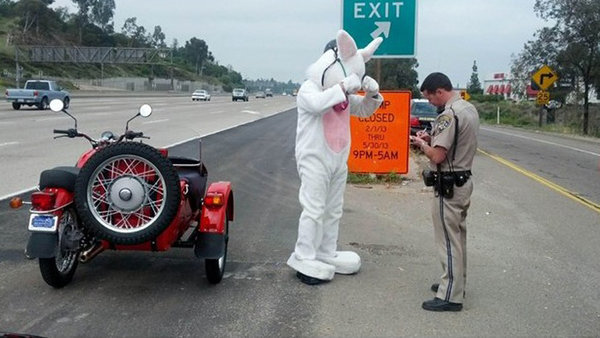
(370, 86)
(351, 84)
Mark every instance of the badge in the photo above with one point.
(442, 122)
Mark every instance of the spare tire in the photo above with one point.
(127, 193)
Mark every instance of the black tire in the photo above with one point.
(58, 271)
(43, 104)
(66, 102)
(16, 106)
(102, 210)
(215, 268)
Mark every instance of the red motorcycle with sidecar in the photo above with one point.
(126, 195)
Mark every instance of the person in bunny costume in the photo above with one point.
(325, 101)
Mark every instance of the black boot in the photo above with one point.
(309, 280)
(437, 304)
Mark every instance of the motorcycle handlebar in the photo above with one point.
(70, 132)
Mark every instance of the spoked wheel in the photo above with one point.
(127, 193)
(58, 271)
(215, 268)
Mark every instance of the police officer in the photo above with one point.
(450, 149)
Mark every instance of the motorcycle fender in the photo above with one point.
(42, 245)
(213, 218)
(210, 245)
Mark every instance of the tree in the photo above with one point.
(34, 15)
(474, 86)
(102, 12)
(196, 53)
(543, 50)
(158, 38)
(578, 35)
(395, 73)
(136, 33)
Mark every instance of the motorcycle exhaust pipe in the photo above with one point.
(90, 253)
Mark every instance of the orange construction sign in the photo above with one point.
(380, 142)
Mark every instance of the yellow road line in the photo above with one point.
(572, 195)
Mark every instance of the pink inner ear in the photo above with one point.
(346, 45)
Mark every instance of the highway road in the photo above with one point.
(27, 145)
(533, 267)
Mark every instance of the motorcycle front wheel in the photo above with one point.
(58, 271)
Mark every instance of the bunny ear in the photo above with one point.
(346, 45)
(368, 51)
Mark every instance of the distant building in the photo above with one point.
(498, 84)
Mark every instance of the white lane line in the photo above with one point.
(49, 119)
(542, 141)
(2, 198)
(8, 143)
(155, 121)
(251, 112)
(216, 112)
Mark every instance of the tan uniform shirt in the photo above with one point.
(445, 127)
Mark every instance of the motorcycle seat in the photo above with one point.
(59, 177)
(196, 180)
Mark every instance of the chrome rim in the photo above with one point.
(126, 193)
(65, 258)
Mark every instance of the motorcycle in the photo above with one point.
(124, 194)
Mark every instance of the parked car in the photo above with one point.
(239, 94)
(268, 92)
(200, 95)
(422, 115)
(38, 93)
(260, 95)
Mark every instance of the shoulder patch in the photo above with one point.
(442, 122)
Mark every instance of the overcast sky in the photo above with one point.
(280, 38)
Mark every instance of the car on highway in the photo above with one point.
(260, 95)
(269, 92)
(37, 93)
(239, 94)
(422, 115)
(200, 95)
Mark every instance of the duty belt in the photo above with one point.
(459, 173)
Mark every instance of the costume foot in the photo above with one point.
(437, 304)
(345, 262)
(309, 280)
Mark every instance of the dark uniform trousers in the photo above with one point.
(450, 232)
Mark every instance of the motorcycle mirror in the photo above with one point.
(145, 110)
(56, 105)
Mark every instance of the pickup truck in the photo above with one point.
(38, 93)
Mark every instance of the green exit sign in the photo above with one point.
(394, 21)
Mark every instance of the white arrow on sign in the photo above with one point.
(382, 27)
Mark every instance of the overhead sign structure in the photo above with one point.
(395, 21)
(544, 77)
(543, 97)
(380, 142)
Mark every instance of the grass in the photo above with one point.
(391, 178)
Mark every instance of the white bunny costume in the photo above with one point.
(325, 101)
